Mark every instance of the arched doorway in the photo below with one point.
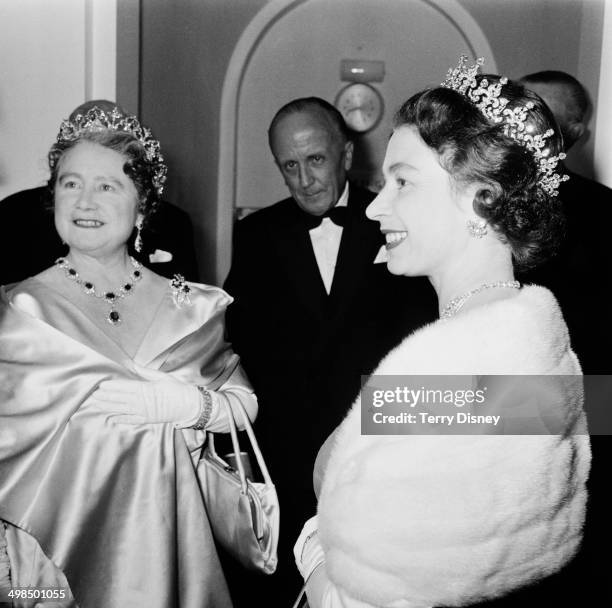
(293, 48)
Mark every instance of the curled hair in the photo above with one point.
(136, 165)
(473, 149)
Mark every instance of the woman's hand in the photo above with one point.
(157, 402)
(321, 592)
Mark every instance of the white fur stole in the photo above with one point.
(451, 520)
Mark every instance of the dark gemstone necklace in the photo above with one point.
(110, 297)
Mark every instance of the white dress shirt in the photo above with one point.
(326, 243)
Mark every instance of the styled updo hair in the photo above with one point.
(473, 148)
(136, 166)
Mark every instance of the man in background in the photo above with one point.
(29, 242)
(578, 274)
(313, 310)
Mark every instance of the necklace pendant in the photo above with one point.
(111, 297)
(114, 318)
(455, 305)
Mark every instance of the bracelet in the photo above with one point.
(207, 404)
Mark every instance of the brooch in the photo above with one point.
(180, 291)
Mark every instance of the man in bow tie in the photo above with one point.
(576, 275)
(312, 311)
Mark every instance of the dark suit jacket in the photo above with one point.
(304, 350)
(578, 276)
(29, 242)
(578, 273)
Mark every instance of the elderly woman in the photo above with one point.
(110, 378)
(415, 521)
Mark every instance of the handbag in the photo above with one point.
(243, 514)
(301, 600)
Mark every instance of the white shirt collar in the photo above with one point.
(326, 243)
(343, 200)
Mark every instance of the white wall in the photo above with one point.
(54, 54)
(603, 118)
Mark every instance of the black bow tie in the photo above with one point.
(338, 215)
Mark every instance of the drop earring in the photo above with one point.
(477, 228)
(138, 239)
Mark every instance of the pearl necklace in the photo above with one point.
(110, 297)
(455, 305)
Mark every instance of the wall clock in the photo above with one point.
(361, 105)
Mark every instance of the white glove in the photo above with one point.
(307, 550)
(141, 402)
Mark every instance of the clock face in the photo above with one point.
(361, 106)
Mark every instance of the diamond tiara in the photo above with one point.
(96, 119)
(487, 98)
